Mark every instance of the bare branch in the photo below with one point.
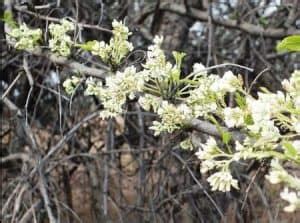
(53, 19)
(249, 28)
(74, 66)
(211, 129)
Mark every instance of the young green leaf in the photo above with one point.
(240, 100)
(290, 150)
(9, 19)
(290, 44)
(88, 46)
(226, 137)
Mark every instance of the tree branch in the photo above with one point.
(211, 129)
(53, 19)
(73, 65)
(256, 30)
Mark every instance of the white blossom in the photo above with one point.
(118, 47)
(269, 131)
(233, 117)
(222, 181)
(71, 84)
(156, 65)
(172, 117)
(243, 152)
(259, 110)
(293, 84)
(228, 83)
(201, 99)
(208, 149)
(277, 174)
(292, 197)
(24, 37)
(199, 68)
(60, 42)
(297, 126)
(149, 102)
(207, 165)
(296, 145)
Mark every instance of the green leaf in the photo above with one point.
(290, 150)
(178, 58)
(240, 100)
(290, 44)
(88, 45)
(226, 137)
(248, 120)
(9, 19)
(263, 21)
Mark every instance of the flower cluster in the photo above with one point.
(24, 37)
(210, 154)
(279, 175)
(118, 47)
(60, 42)
(293, 198)
(201, 99)
(222, 181)
(118, 87)
(172, 117)
(261, 119)
(156, 66)
(70, 84)
(233, 117)
(228, 83)
(292, 86)
(150, 102)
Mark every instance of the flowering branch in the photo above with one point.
(254, 125)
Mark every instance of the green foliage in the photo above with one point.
(240, 100)
(263, 21)
(290, 150)
(226, 137)
(290, 44)
(9, 19)
(88, 46)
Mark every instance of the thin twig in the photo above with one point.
(11, 86)
(27, 216)
(44, 193)
(198, 183)
(53, 19)
(256, 78)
